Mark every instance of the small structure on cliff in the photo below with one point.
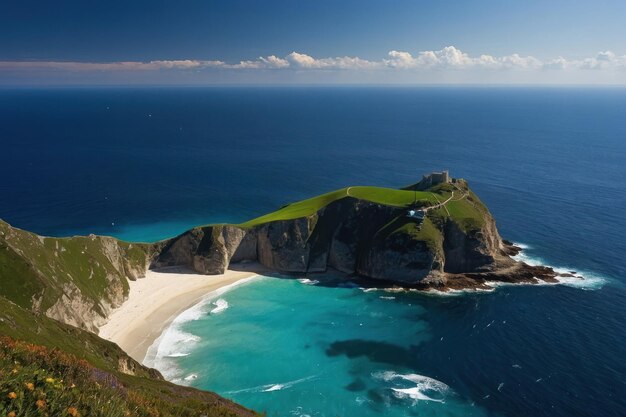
(436, 178)
(431, 180)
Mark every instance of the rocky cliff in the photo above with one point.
(355, 235)
(75, 280)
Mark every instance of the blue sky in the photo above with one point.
(210, 41)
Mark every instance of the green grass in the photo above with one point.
(378, 195)
(39, 268)
(72, 356)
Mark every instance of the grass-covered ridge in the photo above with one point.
(461, 205)
(379, 195)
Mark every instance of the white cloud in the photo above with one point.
(453, 58)
(449, 58)
(299, 60)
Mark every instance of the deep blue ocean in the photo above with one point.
(550, 163)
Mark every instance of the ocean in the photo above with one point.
(550, 163)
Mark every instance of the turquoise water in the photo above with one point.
(326, 347)
(298, 349)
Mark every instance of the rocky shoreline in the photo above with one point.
(354, 237)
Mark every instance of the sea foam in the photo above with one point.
(425, 388)
(584, 280)
(273, 387)
(220, 306)
(175, 343)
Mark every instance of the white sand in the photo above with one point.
(156, 300)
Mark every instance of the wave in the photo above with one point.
(177, 355)
(584, 280)
(175, 343)
(307, 281)
(273, 387)
(425, 388)
(220, 306)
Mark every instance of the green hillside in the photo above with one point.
(35, 269)
(386, 196)
(62, 369)
(74, 280)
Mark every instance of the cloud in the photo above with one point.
(449, 58)
(299, 60)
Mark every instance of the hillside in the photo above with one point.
(89, 374)
(435, 233)
(53, 288)
(76, 280)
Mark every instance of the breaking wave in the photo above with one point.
(414, 386)
(175, 343)
(585, 280)
(220, 306)
(272, 387)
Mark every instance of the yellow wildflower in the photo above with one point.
(11, 414)
(12, 395)
(50, 380)
(30, 386)
(41, 404)
(72, 411)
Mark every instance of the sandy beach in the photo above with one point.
(155, 301)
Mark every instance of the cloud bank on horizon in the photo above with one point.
(449, 60)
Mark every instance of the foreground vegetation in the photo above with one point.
(39, 381)
(65, 371)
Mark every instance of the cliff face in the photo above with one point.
(75, 280)
(353, 236)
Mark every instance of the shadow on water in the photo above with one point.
(379, 352)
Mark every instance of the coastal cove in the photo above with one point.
(156, 300)
(336, 347)
(362, 351)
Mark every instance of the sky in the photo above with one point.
(208, 42)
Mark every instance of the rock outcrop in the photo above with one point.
(76, 280)
(354, 236)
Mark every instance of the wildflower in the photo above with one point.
(14, 371)
(11, 414)
(72, 411)
(30, 386)
(41, 404)
(12, 395)
(50, 380)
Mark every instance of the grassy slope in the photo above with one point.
(141, 394)
(37, 268)
(468, 212)
(379, 195)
